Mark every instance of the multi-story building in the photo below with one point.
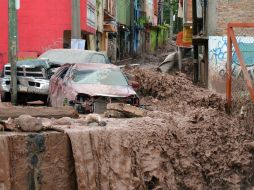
(45, 25)
(124, 32)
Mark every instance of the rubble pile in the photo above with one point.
(173, 90)
(213, 150)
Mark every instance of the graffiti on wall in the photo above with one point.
(218, 56)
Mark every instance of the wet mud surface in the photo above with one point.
(186, 141)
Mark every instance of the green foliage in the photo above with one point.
(142, 21)
(166, 9)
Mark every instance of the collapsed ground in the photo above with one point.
(186, 141)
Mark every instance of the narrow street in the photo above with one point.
(126, 95)
(184, 140)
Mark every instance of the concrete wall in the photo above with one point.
(37, 161)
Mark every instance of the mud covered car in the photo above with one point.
(34, 75)
(90, 87)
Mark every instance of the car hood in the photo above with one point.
(104, 90)
(33, 63)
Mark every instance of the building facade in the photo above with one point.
(124, 32)
(43, 26)
(120, 28)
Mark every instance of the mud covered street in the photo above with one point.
(185, 141)
(208, 149)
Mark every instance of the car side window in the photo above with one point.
(97, 58)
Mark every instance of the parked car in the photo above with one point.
(34, 75)
(90, 87)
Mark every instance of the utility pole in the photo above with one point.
(195, 47)
(76, 29)
(12, 47)
(171, 19)
(132, 17)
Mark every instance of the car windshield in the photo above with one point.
(73, 57)
(103, 76)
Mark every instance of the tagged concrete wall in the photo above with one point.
(218, 60)
(220, 13)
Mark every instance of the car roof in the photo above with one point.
(74, 50)
(93, 66)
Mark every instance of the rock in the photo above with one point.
(93, 118)
(102, 123)
(46, 122)
(63, 121)
(249, 146)
(10, 125)
(27, 123)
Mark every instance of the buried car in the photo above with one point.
(90, 87)
(33, 75)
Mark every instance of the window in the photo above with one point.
(91, 15)
(97, 58)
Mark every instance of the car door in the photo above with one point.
(56, 87)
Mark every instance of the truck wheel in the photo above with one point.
(5, 96)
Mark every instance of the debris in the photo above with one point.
(168, 63)
(114, 114)
(95, 118)
(47, 112)
(27, 123)
(9, 125)
(127, 110)
(249, 145)
(46, 122)
(243, 112)
(36, 103)
(63, 121)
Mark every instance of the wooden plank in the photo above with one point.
(46, 112)
(128, 110)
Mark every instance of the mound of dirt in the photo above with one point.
(173, 90)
